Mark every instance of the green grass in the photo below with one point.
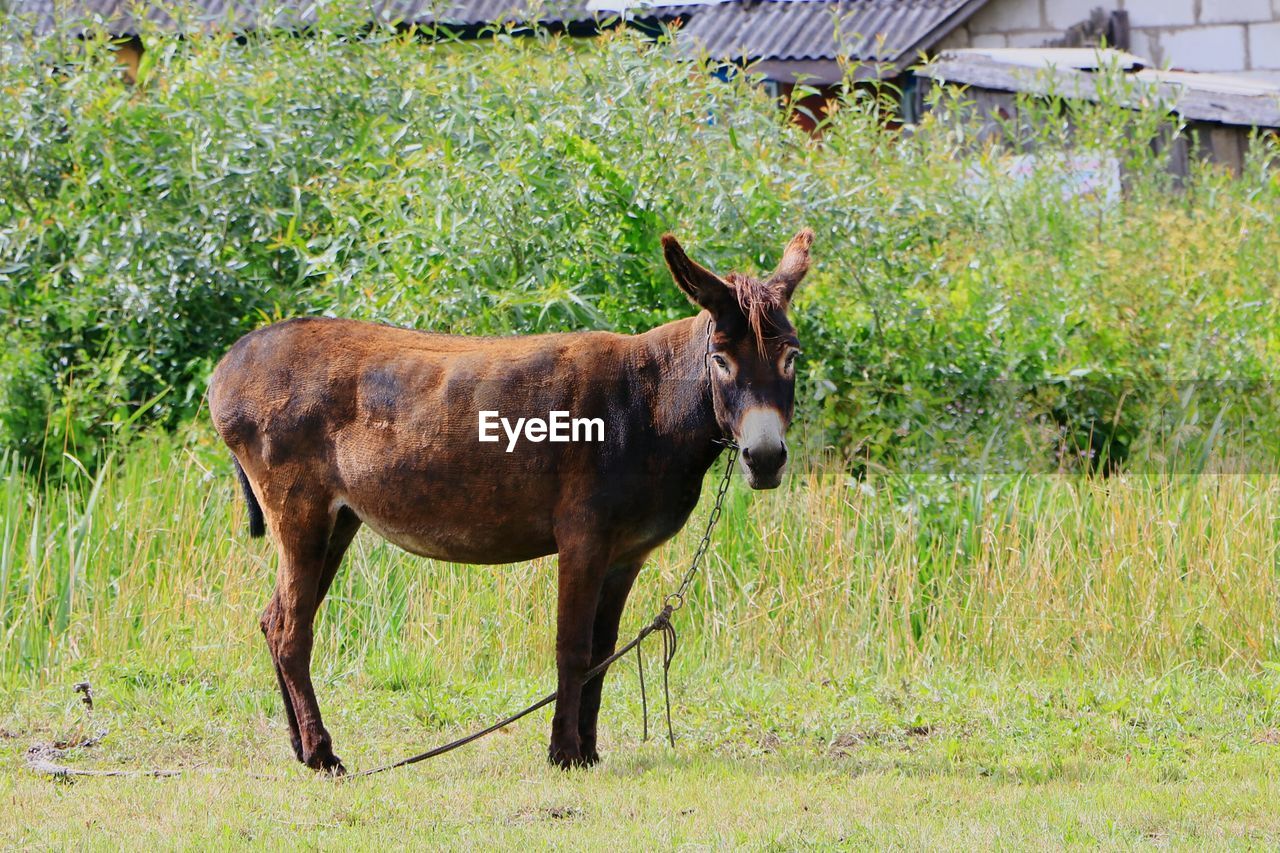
(1032, 661)
(934, 760)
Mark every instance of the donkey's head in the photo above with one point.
(752, 352)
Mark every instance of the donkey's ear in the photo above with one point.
(703, 287)
(794, 264)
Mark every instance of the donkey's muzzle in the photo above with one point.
(763, 462)
(764, 450)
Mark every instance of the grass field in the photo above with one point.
(1033, 661)
(934, 760)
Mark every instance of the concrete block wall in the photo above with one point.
(1235, 36)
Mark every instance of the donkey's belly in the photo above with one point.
(439, 497)
(455, 540)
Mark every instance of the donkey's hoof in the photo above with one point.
(566, 759)
(590, 757)
(327, 762)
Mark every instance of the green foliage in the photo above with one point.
(954, 316)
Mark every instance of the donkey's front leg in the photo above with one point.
(582, 571)
(604, 639)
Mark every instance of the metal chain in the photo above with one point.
(676, 599)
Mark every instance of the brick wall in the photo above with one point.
(1236, 36)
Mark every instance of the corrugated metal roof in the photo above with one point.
(869, 30)
(885, 31)
(123, 17)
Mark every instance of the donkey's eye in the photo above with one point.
(790, 361)
(720, 362)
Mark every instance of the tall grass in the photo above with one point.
(147, 567)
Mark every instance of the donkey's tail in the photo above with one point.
(257, 524)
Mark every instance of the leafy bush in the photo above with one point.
(954, 317)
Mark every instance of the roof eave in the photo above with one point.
(1257, 111)
(944, 28)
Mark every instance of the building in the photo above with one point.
(1220, 113)
(814, 40)
(1236, 36)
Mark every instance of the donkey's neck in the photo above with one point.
(672, 359)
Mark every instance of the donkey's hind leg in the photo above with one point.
(270, 621)
(345, 527)
(311, 545)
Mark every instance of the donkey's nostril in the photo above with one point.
(765, 457)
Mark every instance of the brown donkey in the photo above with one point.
(335, 423)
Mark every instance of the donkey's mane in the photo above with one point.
(759, 302)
